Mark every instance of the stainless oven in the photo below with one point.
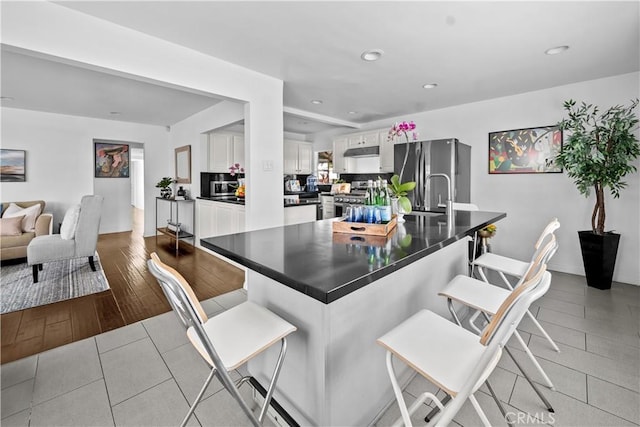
(223, 188)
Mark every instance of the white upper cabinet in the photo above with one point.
(340, 162)
(290, 164)
(238, 150)
(368, 139)
(371, 138)
(386, 153)
(298, 157)
(225, 149)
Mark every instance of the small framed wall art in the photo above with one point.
(12, 165)
(111, 160)
(529, 150)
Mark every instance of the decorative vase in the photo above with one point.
(599, 257)
(396, 209)
(165, 192)
(181, 192)
(486, 233)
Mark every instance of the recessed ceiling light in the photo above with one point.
(316, 101)
(353, 112)
(556, 50)
(372, 54)
(430, 85)
(6, 98)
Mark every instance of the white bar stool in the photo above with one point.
(487, 299)
(512, 267)
(453, 358)
(227, 340)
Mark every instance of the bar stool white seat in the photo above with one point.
(506, 266)
(511, 266)
(227, 340)
(451, 357)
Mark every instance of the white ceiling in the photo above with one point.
(472, 50)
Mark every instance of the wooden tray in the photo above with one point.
(363, 239)
(343, 226)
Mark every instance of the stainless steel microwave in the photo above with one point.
(223, 188)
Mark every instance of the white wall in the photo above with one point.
(530, 201)
(55, 30)
(190, 132)
(60, 163)
(137, 178)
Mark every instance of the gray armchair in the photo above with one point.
(53, 247)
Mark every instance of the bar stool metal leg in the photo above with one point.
(534, 360)
(500, 405)
(274, 378)
(198, 397)
(531, 383)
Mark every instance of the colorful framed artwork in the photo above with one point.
(530, 150)
(111, 160)
(12, 165)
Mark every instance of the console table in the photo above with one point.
(174, 228)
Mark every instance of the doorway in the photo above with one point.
(325, 167)
(137, 191)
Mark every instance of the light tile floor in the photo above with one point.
(145, 374)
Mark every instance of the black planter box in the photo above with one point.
(599, 257)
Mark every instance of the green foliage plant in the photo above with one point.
(400, 190)
(599, 151)
(165, 182)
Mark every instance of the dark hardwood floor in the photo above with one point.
(133, 295)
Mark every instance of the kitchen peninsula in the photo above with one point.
(343, 292)
(220, 215)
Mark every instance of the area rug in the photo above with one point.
(57, 281)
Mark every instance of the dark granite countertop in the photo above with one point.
(240, 201)
(225, 199)
(311, 259)
(301, 202)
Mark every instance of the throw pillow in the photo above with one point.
(11, 226)
(30, 215)
(12, 209)
(69, 223)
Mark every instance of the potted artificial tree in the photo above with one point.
(597, 154)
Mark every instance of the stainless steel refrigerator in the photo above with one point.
(448, 156)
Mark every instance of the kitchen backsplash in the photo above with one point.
(350, 177)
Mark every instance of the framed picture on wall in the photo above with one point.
(12, 165)
(111, 160)
(529, 150)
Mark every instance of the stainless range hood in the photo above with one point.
(363, 152)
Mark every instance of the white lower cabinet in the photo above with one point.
(218, 218)
(328, 209)
(299, 214)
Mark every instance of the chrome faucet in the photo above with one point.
(449, 205)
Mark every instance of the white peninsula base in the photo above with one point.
(334, 372)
